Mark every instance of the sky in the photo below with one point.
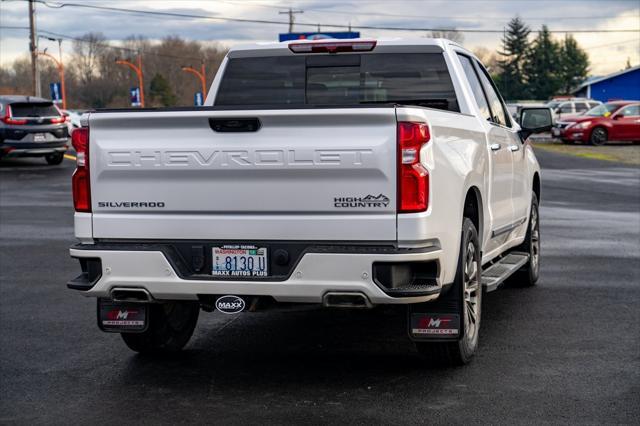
(608, 51)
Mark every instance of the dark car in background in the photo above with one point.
(32, 127)
(613, 121)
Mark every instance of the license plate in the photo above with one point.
(240, 261)
(39, 137)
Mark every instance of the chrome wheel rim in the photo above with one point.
(471, 292)
(535, 240)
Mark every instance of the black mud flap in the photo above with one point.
(435, 321)
(122, 317)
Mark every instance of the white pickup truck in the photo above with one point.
(348, 174)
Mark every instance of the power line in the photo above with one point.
(266, 21)
(103, 44)
(612, 44)
(393, 15)
(292, 16)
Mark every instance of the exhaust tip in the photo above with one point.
(346, 300)
(131, 295)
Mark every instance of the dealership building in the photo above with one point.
(617, 86)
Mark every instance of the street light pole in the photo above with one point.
(138, 71)
(61, 72)
(64, 90)
(201, 75)
(292, 17)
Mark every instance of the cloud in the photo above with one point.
(435, 13)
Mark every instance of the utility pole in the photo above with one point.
(33, 48)
(292, 17)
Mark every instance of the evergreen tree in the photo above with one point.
(515, 43)
(574, 64)
(160, 90)
(543, 66)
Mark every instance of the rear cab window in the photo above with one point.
(498, 109)
(347, 79)
(476, 87)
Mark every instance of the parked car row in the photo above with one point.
(613, 121)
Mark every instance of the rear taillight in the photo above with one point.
(333, 46)
(8, 119)
(58, 120)
(413, 178)
(80, 180)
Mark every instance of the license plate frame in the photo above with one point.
(239, 261)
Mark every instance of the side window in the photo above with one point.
(566, 108)
(630, 111)
(581, 107)
(497, 108)
(476, 87)
(593, 104)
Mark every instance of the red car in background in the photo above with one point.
(613, 121)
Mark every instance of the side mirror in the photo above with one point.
(534, 120)
(618, 116)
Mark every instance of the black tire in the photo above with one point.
(467, 289)
(598, 136)
(567, 141)
(54, 159)
(171, 325)
(528, 275)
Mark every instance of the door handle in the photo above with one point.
(495, 146)
(514, 148)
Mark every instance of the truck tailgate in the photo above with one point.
(306, 174)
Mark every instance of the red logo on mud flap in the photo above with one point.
(431, 322)
(424, 324)
(117, 314)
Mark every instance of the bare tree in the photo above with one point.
(452, 34)
(94, 80)
(86, 54)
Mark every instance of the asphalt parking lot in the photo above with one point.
(566, 351)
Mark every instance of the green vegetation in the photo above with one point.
(541, 68)
(160, 91)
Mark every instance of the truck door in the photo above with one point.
(505, 149)
(626, 123)
(501, 172)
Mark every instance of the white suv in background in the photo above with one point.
(569, 107)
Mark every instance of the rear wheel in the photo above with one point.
(171, 325)
(54, 159)
(467, 290)
(598, 136)
(528, 275)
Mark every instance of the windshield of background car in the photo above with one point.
(33, 109)
(338, 80)
(553, 105)
(602, 110)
